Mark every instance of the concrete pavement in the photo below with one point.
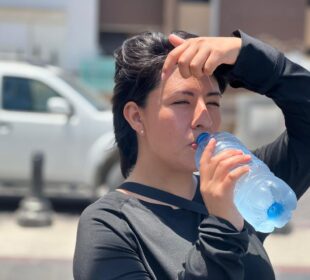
(53, 242)
(46, 253)
(37, 253)
(290, 254)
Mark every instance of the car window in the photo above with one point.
(22, 94)
(94, 100)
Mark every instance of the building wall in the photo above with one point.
(282, 19)
(55, 31)
(282, 23)
(81, 32)
(119, 19)
(307, 28)
(130, 16)
(194, 18)
(45, 4)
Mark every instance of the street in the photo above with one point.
(38, 253)
(46, 252)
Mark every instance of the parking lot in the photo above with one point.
(46, 252)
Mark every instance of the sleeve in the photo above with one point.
(262, 69)
(104, 249)
(217, 253)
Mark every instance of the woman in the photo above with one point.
(163, 222)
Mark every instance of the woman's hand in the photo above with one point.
(218, 175)
(200, 56)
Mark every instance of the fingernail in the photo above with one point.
(212, 141)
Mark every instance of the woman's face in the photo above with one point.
(175, 114)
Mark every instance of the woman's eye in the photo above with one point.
(181, 102)
(213, 104)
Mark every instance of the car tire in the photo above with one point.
(113, 179)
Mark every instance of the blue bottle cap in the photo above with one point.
(202, 137)
(275, 210)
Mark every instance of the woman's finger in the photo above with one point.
(226, 166)
(233, 176)
(198, 62)
(172, 60)
(185, 60)
(207, 153)
(175, 40)
(213, 163)
(213, 61)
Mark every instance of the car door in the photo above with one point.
(27, 127)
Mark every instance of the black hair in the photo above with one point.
(138, 66)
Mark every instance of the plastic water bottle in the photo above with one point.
(264, 200)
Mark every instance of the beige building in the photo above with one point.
(280, 22)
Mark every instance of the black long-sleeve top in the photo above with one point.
(121, 237)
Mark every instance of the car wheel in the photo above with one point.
(113, 179)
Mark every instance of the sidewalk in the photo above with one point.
(37, 253)
(290, 254)
(292, 250)
(46, 253)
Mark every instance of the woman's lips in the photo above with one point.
(194, 145)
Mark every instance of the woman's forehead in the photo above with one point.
(177, 83)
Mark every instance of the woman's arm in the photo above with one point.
(217, 253)
(263, 69)
(258, 67)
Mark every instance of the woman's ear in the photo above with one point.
(133, 116)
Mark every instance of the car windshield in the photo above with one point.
(85, 92)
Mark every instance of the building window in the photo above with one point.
(110, 41)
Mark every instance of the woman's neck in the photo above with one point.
(178, 183)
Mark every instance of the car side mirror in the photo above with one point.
(59, 105)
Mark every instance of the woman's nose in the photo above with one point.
(201, 118)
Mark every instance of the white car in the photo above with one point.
(44, 110)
